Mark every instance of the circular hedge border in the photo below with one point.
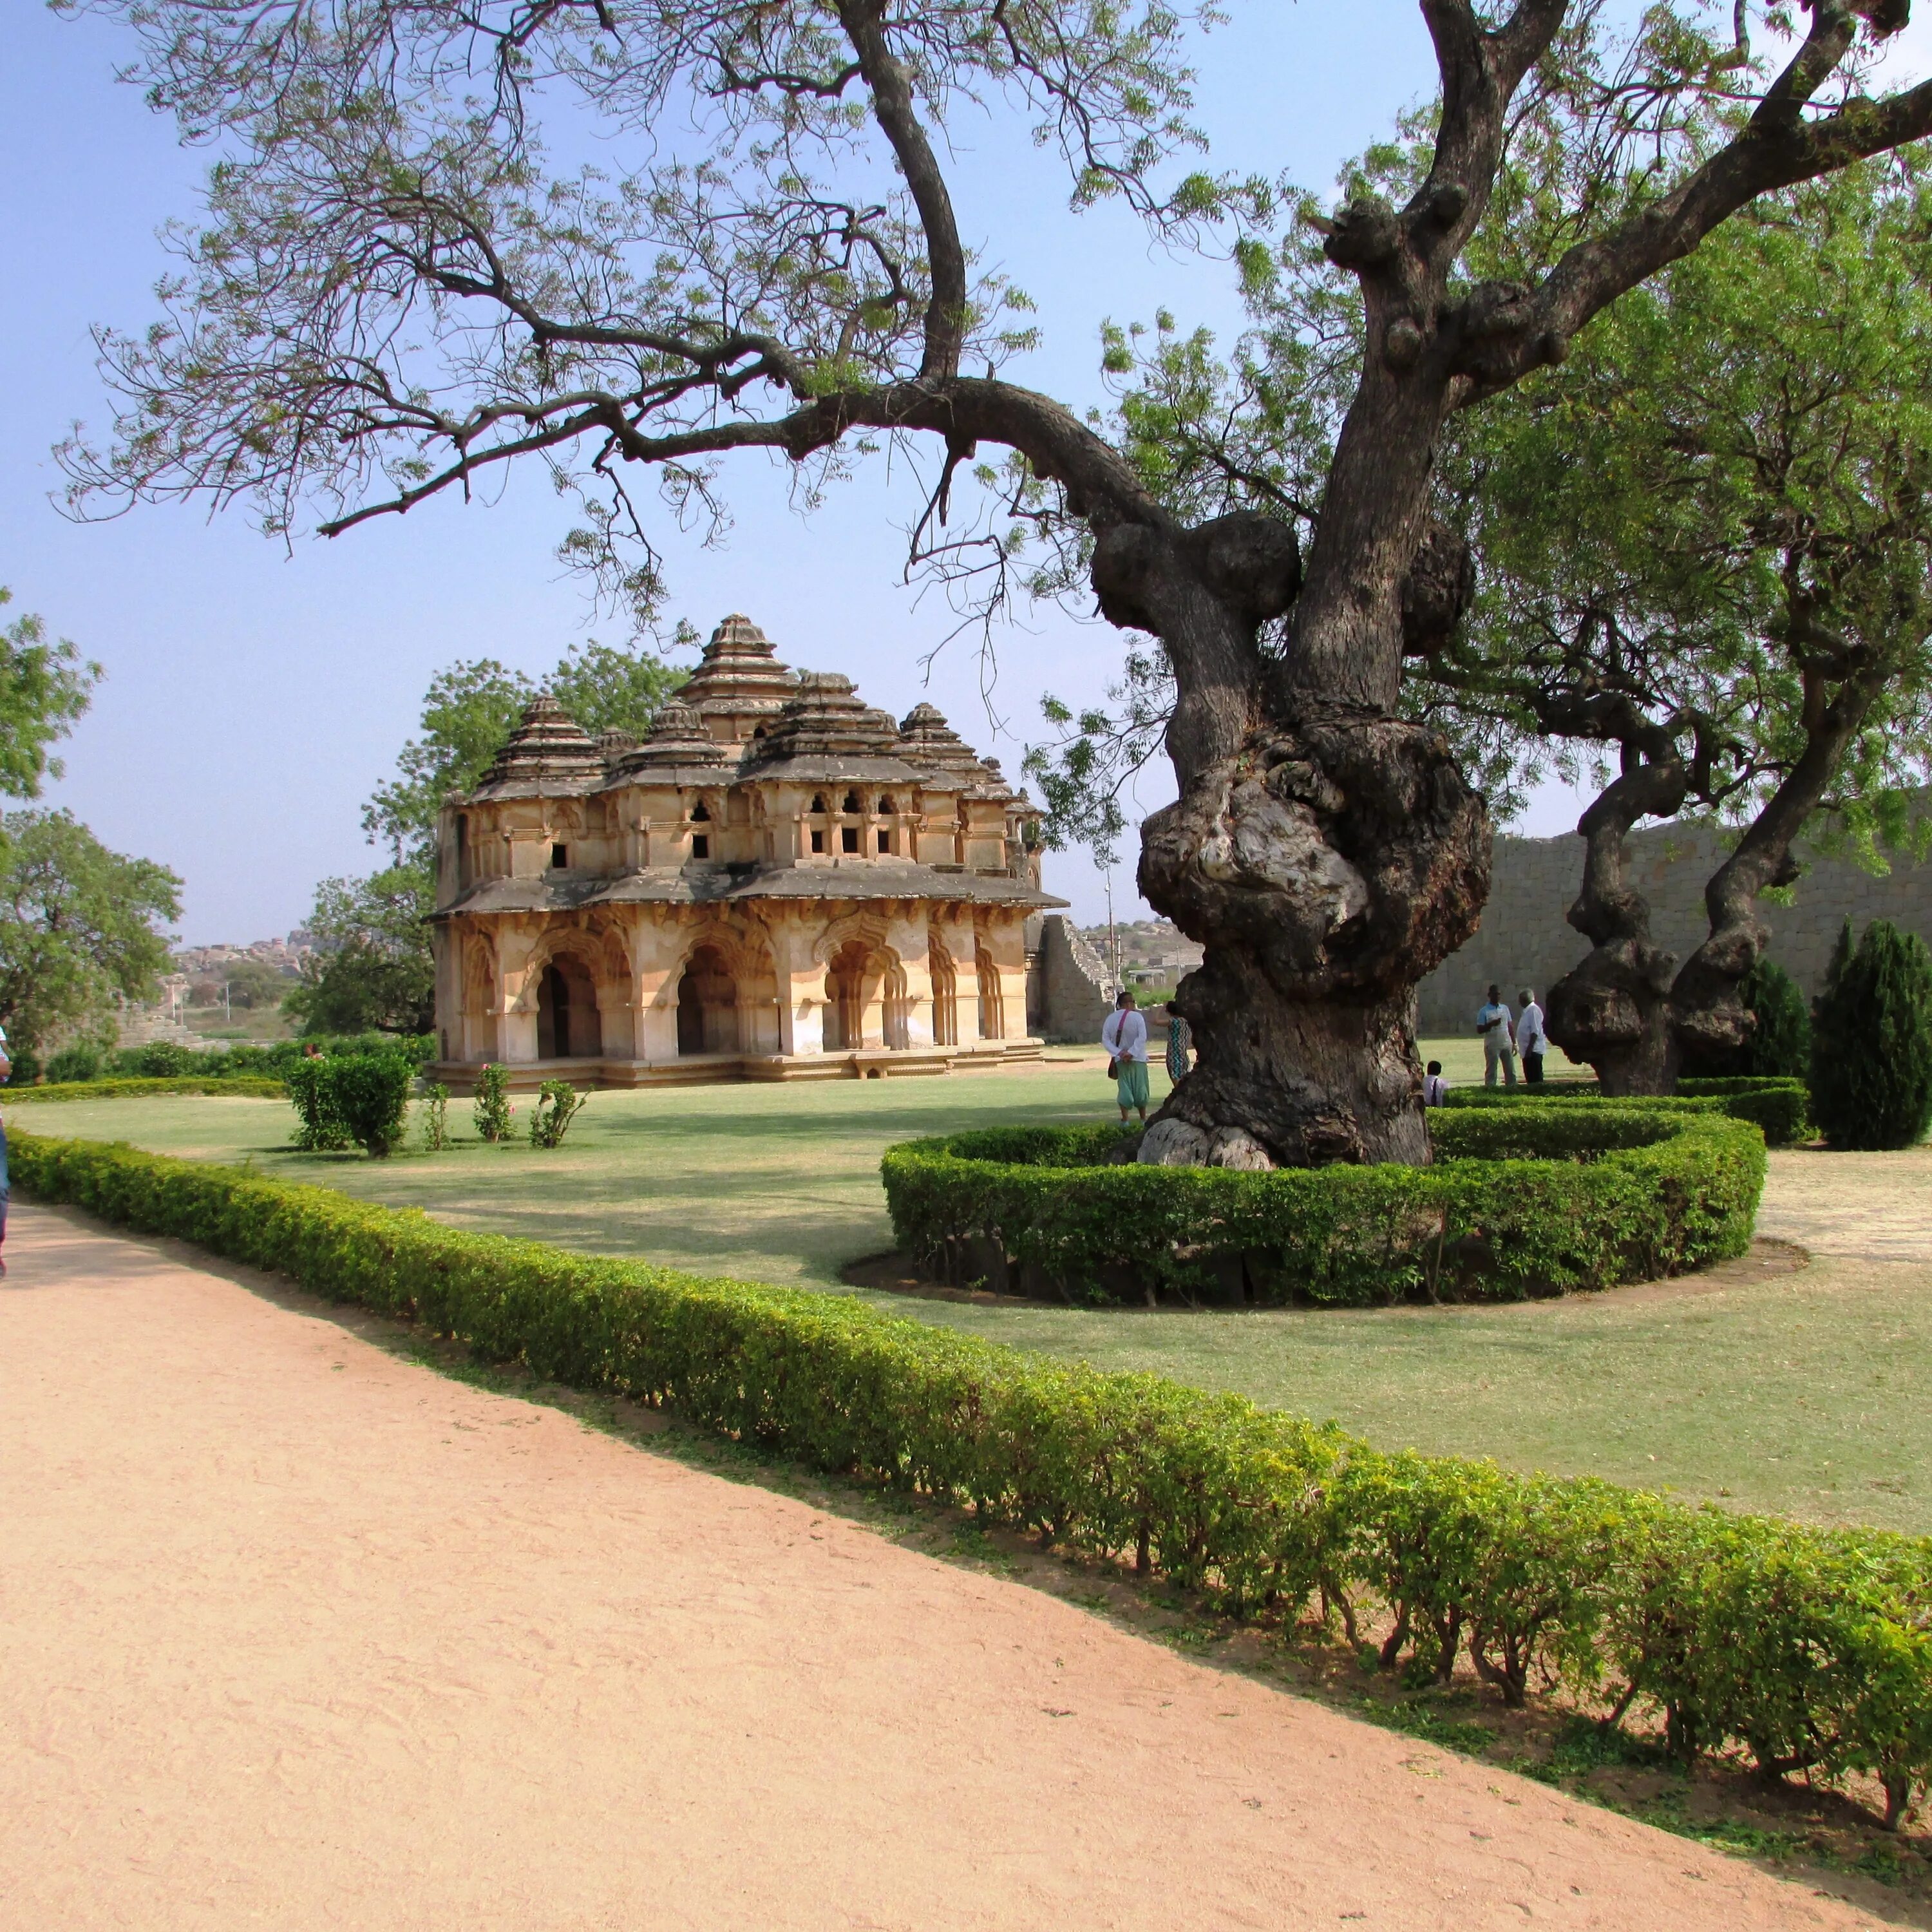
(1530, 1200)
(1782, 1107)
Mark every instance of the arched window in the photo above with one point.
(700, 814)
(818, 801)
(886, 806)
(852, 803)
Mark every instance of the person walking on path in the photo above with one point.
(1492, 1026)
(1178, 1041)
(1532, 1042)
(1125, 1037)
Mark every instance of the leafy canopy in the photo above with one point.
(45, 687)
(472, 707)
(78, 926)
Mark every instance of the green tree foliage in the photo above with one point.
(254, 984)
(371, 969)
(472, 707)
(78, 926)
(493, 1108)
(44, 687)
(369, 1094)
(1871, 1068)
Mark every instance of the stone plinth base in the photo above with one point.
(705, 1070)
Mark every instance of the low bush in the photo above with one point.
(319, 1128)
(558, 1102)
(1779, 1108)
(83, 1060)
(144, 1090)
(492, 1110)
(369, 1094)
(1801, 1646)
(1524, 1200)
(436, 1117)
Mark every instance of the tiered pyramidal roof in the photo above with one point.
(548, 745)
(739, 683)
(742, 714)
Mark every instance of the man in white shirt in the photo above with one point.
(1435, 1088)
(1532, 1042)
(1492, 1026)
(1124, 1035)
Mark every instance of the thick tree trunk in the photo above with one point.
(1613, 1010)
(1327, 854)
(1326, 866)
(1705, 1009)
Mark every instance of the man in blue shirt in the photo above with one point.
(1492, 1027)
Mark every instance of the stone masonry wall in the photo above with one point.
(1525, 941)
(1070, 995)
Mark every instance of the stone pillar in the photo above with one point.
(658, 955)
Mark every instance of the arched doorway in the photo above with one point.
(865, 1000)
(945, 995)
(707, 1005)
(845, 988)
(992, 1001)
(567, 1025)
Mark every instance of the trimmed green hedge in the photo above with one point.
(236, 1084)
(1529, 1200)
(1806, 1647)
(1780, 1108)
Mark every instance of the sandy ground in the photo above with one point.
(295, 1634)
(1873, 1207)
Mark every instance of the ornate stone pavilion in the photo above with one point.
(779, 883)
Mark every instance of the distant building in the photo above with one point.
(779, 883)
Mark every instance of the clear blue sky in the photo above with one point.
(254, 697)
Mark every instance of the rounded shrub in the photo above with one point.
(81, 1061)
(1522, 1200)
(1871, 1061)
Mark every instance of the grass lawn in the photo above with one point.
(1801, 1393)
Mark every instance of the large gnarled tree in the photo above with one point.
(391, 298)
(1707, 552)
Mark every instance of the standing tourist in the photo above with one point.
(1435, 1088)
(1178, 1041)
(1125, 1037)
(1492, 1026)
(1532, 1042)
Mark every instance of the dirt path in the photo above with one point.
(293, 1633)
(1870, 1207)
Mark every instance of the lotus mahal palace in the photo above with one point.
(779, 883)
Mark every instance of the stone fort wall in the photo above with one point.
(1524, 941)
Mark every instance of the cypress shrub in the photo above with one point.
(369, 1093)
(1871, 1066)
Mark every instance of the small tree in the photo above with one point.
(312, 1094)
(1871, 1068)
(436, 1118)
(493, 1108)
(370, 1094)
(557, 1104)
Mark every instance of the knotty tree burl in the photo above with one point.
(392, 296)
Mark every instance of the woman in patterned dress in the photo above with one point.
(1179, 1039)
